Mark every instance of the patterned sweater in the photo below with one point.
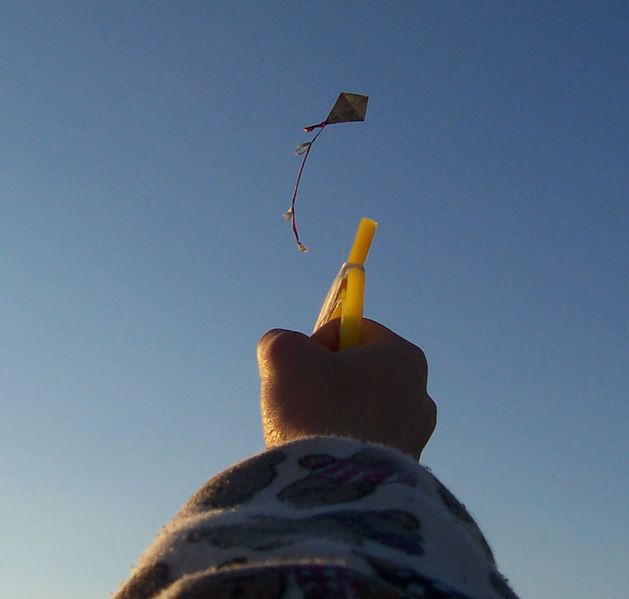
(320, 517)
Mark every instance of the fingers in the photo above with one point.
(328, 335)
(371, 332)
(282, 346)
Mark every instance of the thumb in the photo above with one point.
(280, 349)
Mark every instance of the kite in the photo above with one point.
(347, 108)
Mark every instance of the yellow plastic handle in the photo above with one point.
(362, 241)
(352, 308)
(354, 292)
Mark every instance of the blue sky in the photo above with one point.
(145, 163)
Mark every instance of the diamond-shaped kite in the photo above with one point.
(347, 108)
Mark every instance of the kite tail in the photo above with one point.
(290, 213)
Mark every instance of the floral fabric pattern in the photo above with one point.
(320, 517)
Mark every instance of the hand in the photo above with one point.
(373, 392)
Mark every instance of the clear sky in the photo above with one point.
(145, 163)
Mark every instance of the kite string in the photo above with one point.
(291, 211)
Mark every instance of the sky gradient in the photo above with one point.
(145, 164)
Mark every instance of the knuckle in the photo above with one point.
(433, 410)
(418, 356)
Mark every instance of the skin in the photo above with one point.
(373, 392)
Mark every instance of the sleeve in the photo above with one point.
(320, 517)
